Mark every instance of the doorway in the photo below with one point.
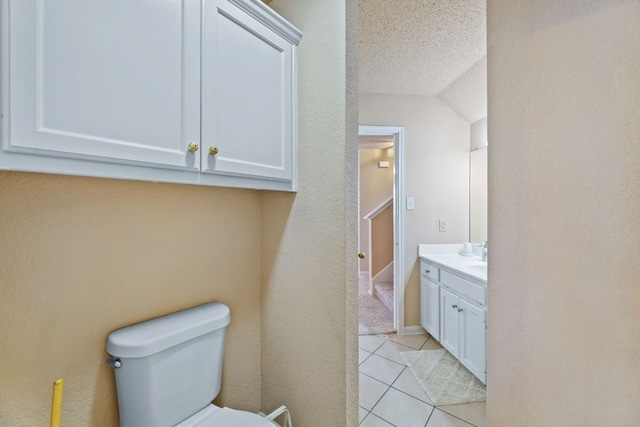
(390, 137)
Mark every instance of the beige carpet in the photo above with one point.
(443, 377)
(374, 317)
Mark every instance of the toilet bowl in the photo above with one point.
(213, 416)
(169, 369)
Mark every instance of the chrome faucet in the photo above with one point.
(485, 249)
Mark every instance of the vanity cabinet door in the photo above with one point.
(430, 307)
(107, 81)
(449, 321)
(248, 96)
(473, 344)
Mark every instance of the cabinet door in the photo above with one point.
(473, 347)
(449, 326)
(430, 307)
(112, 81)
(248, 90)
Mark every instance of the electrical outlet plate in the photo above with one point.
(442, 224)
(411, 203)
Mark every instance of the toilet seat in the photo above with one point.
(213, 416)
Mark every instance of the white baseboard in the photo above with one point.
(414, 330)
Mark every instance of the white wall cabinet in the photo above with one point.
(191, 91)
(452, 310)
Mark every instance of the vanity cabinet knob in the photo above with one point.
(459, 310)
(427, 271)
(193, 147)
(213, 150)
(454, 306)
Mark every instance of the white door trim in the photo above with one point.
(398, 216)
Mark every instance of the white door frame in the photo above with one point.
(398, 216)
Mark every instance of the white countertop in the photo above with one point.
(448, 256)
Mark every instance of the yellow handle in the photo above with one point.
(56, 402)
(361, 255)
(193, 147)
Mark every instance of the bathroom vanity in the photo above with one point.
(453, 303)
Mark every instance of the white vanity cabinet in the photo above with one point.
(430, 299)
(187, 91)
(463, 332)
(453, 310)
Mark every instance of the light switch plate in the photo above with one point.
(442, 224)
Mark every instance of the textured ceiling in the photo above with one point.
(426, 47)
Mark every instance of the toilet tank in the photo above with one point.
(171, 366)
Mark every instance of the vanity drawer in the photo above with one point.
(430, 271)
(464, 288)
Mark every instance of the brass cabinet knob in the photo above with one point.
(213, 150)
(193, 147)
(361, 255)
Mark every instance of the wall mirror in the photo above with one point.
(478, 195)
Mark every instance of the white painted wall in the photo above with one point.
(436, 174)
(564, 204)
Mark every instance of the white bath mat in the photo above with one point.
(443, 377)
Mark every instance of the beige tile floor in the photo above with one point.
(391, 396)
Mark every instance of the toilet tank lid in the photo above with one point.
(150, 337)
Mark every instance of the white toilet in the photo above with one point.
(169, 369)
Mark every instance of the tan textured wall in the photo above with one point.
(436, 174)
(564, 198)
(80, 257)
(376, 186)
(350, 212)
(309, 301)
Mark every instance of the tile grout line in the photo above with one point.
(365, 359)
(386, 358)
(375, 379)
(378, 401)
(430, 415)
(410, 395)
(455, 416)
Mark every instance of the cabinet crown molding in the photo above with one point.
(268, 17)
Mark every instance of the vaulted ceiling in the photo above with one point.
(426, 47)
